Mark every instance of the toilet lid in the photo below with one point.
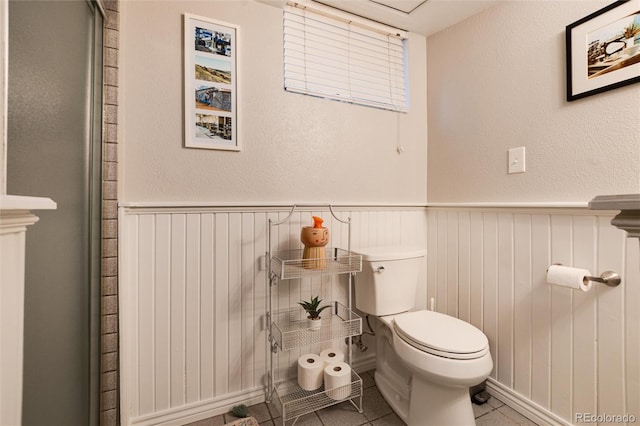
(441, 335)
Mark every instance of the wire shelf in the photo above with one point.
(290, 328)
(289, 264)
(292, 401)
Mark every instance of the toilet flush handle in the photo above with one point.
(379, 269)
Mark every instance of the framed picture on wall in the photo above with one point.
(603, 50)
(210, 84)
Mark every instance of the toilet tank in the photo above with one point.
(389, 278)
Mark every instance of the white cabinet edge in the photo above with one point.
(18, 202)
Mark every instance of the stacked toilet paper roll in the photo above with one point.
(337, 380)
(310, 371)
(331, 355)
(566, 276)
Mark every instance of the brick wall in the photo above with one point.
(109, 386)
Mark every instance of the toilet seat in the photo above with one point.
(441, 335)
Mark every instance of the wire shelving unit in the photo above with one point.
(287, 328)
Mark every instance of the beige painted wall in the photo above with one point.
(497, 81)
(295, 148)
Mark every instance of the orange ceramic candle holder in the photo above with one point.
(314, 239)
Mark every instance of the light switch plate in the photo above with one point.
(517, 160)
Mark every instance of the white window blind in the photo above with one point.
(340, 59)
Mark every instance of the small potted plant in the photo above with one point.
(313, 317)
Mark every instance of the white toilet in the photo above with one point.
(426, 361)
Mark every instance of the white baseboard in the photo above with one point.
(364, 363)
(202, 409)
(523, 405)
(216, 406)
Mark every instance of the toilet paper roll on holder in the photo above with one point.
(610, 278)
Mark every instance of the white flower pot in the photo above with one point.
(314, 324)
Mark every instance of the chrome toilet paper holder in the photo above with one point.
(610, 278)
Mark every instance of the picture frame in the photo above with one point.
(210, 84)
(603, 50)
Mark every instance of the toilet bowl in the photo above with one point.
(444, 365)
(426, 361)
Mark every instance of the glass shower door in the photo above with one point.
(54, 150)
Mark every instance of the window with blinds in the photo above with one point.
(341, 59)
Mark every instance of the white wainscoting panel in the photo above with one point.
(193, 299)
(565, 351)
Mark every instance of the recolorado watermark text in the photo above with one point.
(605, 418)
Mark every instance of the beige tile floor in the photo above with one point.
(376, 412)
